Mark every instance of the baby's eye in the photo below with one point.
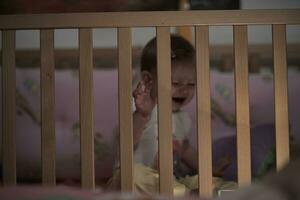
(176, 84)
(191, 84)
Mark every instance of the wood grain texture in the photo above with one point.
(281, 95)
(203, 112)
(125, 108)
(242, 104)
(48, 107)
(9, 108)
(86, 108)
(164, 111)
(145, 19)
(185, 31)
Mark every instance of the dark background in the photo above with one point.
(64, 6)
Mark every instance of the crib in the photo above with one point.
(162, 20)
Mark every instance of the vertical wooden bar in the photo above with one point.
(164, 111)
(185, 31)
(203, 112)
(47, 107)
(242, 104)
(281, 95)
(9, 107)
(125, 108)
(86, 108)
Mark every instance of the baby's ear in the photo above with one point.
(147, 76)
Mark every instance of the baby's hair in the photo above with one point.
(181, 51)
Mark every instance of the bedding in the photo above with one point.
(106, 119)
(69, 193)
(283, 185)
(262, 152)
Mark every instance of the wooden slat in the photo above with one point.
(9, 107)
(125, 108)
(145, 19)
(203, 112)
(281, 95)
(185, 31)
(242, 104)
(47, 107)
(86, 108)
(164, 111)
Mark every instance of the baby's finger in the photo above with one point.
(138, 88)
(142, 86)
(149, 84)
(135, 93)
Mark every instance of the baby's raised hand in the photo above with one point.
(144, 103)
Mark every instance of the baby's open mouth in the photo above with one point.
(179, 100)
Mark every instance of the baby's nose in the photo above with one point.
(184, 89)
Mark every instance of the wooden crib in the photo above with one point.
(124, 21)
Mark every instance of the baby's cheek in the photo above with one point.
(174, 91)
(192, 93)
(188, 100)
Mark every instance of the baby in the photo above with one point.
(145, 97)
(145, 132)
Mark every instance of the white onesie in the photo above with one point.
(147, 146)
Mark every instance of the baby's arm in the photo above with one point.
(144, 105)
(139, 122)
(186, 153)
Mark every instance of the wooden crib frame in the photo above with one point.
(123, 21)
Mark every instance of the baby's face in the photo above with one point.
(183, 84)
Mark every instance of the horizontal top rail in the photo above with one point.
(146, 19)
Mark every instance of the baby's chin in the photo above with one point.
(176, 110)
(176, 107)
